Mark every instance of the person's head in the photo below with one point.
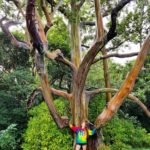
(83, 124)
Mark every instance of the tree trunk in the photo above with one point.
(106, 76)
(95, 141)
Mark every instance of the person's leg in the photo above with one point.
(84, 147)
(78, 147)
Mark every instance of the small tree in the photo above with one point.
(78, 97)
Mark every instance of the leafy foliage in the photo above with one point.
(8, 138)
(43, 134)
(14, 90)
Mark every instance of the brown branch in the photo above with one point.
(38, 91)
(126, 87)
(138, 102)
(14, 41)
(102, 90)
(112, 31)
(33, 96)
(47, 15)
(130, 96)
(57, 7)
(80, 4)
(115, 55)
(18, 5)
(58, 56)
(61, 93)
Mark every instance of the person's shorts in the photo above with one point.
(81, 144)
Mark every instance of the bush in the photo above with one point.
(123, 134)
(43, 134)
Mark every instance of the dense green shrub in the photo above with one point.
(43, 134)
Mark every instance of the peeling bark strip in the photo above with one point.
(31, 25)
(126, 87)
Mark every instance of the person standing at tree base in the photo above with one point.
(82, 134)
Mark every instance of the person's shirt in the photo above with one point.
(82, 134)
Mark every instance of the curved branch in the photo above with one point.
(138, 102)
(18, 5)
(61, 93)
(33, 96)
(115, 55)
(58, 56)
(38, 91)
(130, 96)
(14, 41)
(112, 31)
(80, 4)
(57, 7)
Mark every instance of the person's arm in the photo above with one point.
(74, 129)
(91, 132)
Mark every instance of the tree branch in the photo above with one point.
(115, 55)
(18, 5)
(33, 96)
(57, 7)
(126, 87)
(138, 102)
(131, 97)
(47, 15)
(14, 41)
(38, 91)
(58, 56)
(112, 31)
(80, 4)
(61, 93)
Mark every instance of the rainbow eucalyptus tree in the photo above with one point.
(79, 97)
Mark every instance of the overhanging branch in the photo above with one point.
(115, 55)
(14, 41)
(112, 30)
(58, 56)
